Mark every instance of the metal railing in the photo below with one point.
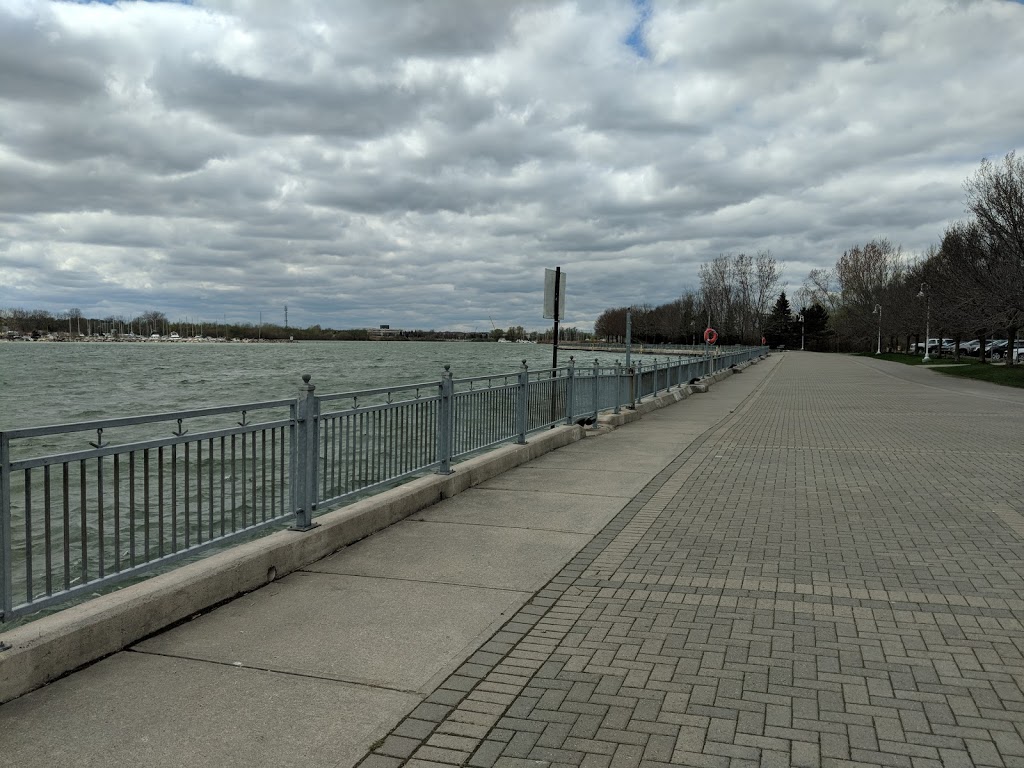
(77, 519)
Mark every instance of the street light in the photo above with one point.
(923, 294)
(801, 331)
(878, 311)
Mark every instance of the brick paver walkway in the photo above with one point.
(832, 576)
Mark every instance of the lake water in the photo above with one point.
(54, 383)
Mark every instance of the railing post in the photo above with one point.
(657, 378)
(618, 387)
(634, 383)
(306, 456)
(445, 422)
(523, 403)
(597, 389)
(570, 391)
(6, 560)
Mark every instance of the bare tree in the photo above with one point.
(742, 275)
(768, 276)
(717, 293)
(982, 259)
(611, 324)
(75, 314)
(643, 325)
(822, 287)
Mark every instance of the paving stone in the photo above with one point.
(486, 754)
(521, 744)
(783, 592)
(553, 756)
(554, 735)
(380, 761)
(659, 748)
(835, 745)
(431, 712)
(983, 752)
(516, 762)
(627, 756)
(805, 755)
(449, 741)
(439, 755)
(446, 696)
(398, 746)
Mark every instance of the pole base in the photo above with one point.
(309, 527)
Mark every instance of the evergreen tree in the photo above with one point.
(780, 323)
(815, 327)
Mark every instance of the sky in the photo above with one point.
(420, 163)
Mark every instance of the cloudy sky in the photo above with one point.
(421, 162)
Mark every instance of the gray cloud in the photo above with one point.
(422, 163)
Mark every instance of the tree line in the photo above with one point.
(735, 297)
(969, 286)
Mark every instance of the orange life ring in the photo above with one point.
(710, 335)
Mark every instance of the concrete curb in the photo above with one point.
(53, 646)
(627, 416)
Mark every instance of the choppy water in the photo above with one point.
(152, 502)
(55, 383)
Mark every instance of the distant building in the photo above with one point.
(384, 333)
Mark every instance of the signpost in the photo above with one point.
(554, 307)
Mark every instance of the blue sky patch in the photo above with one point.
(635, 38)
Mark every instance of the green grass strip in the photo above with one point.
(966, 368)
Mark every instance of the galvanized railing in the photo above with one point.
(76, 519)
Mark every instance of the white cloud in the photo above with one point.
(424, 162)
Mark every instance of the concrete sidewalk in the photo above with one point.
(819, 562)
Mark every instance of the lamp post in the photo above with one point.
(923, 294)
(878, 311)
(801, 331)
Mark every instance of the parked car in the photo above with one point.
(999, 349)
(934, 345)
